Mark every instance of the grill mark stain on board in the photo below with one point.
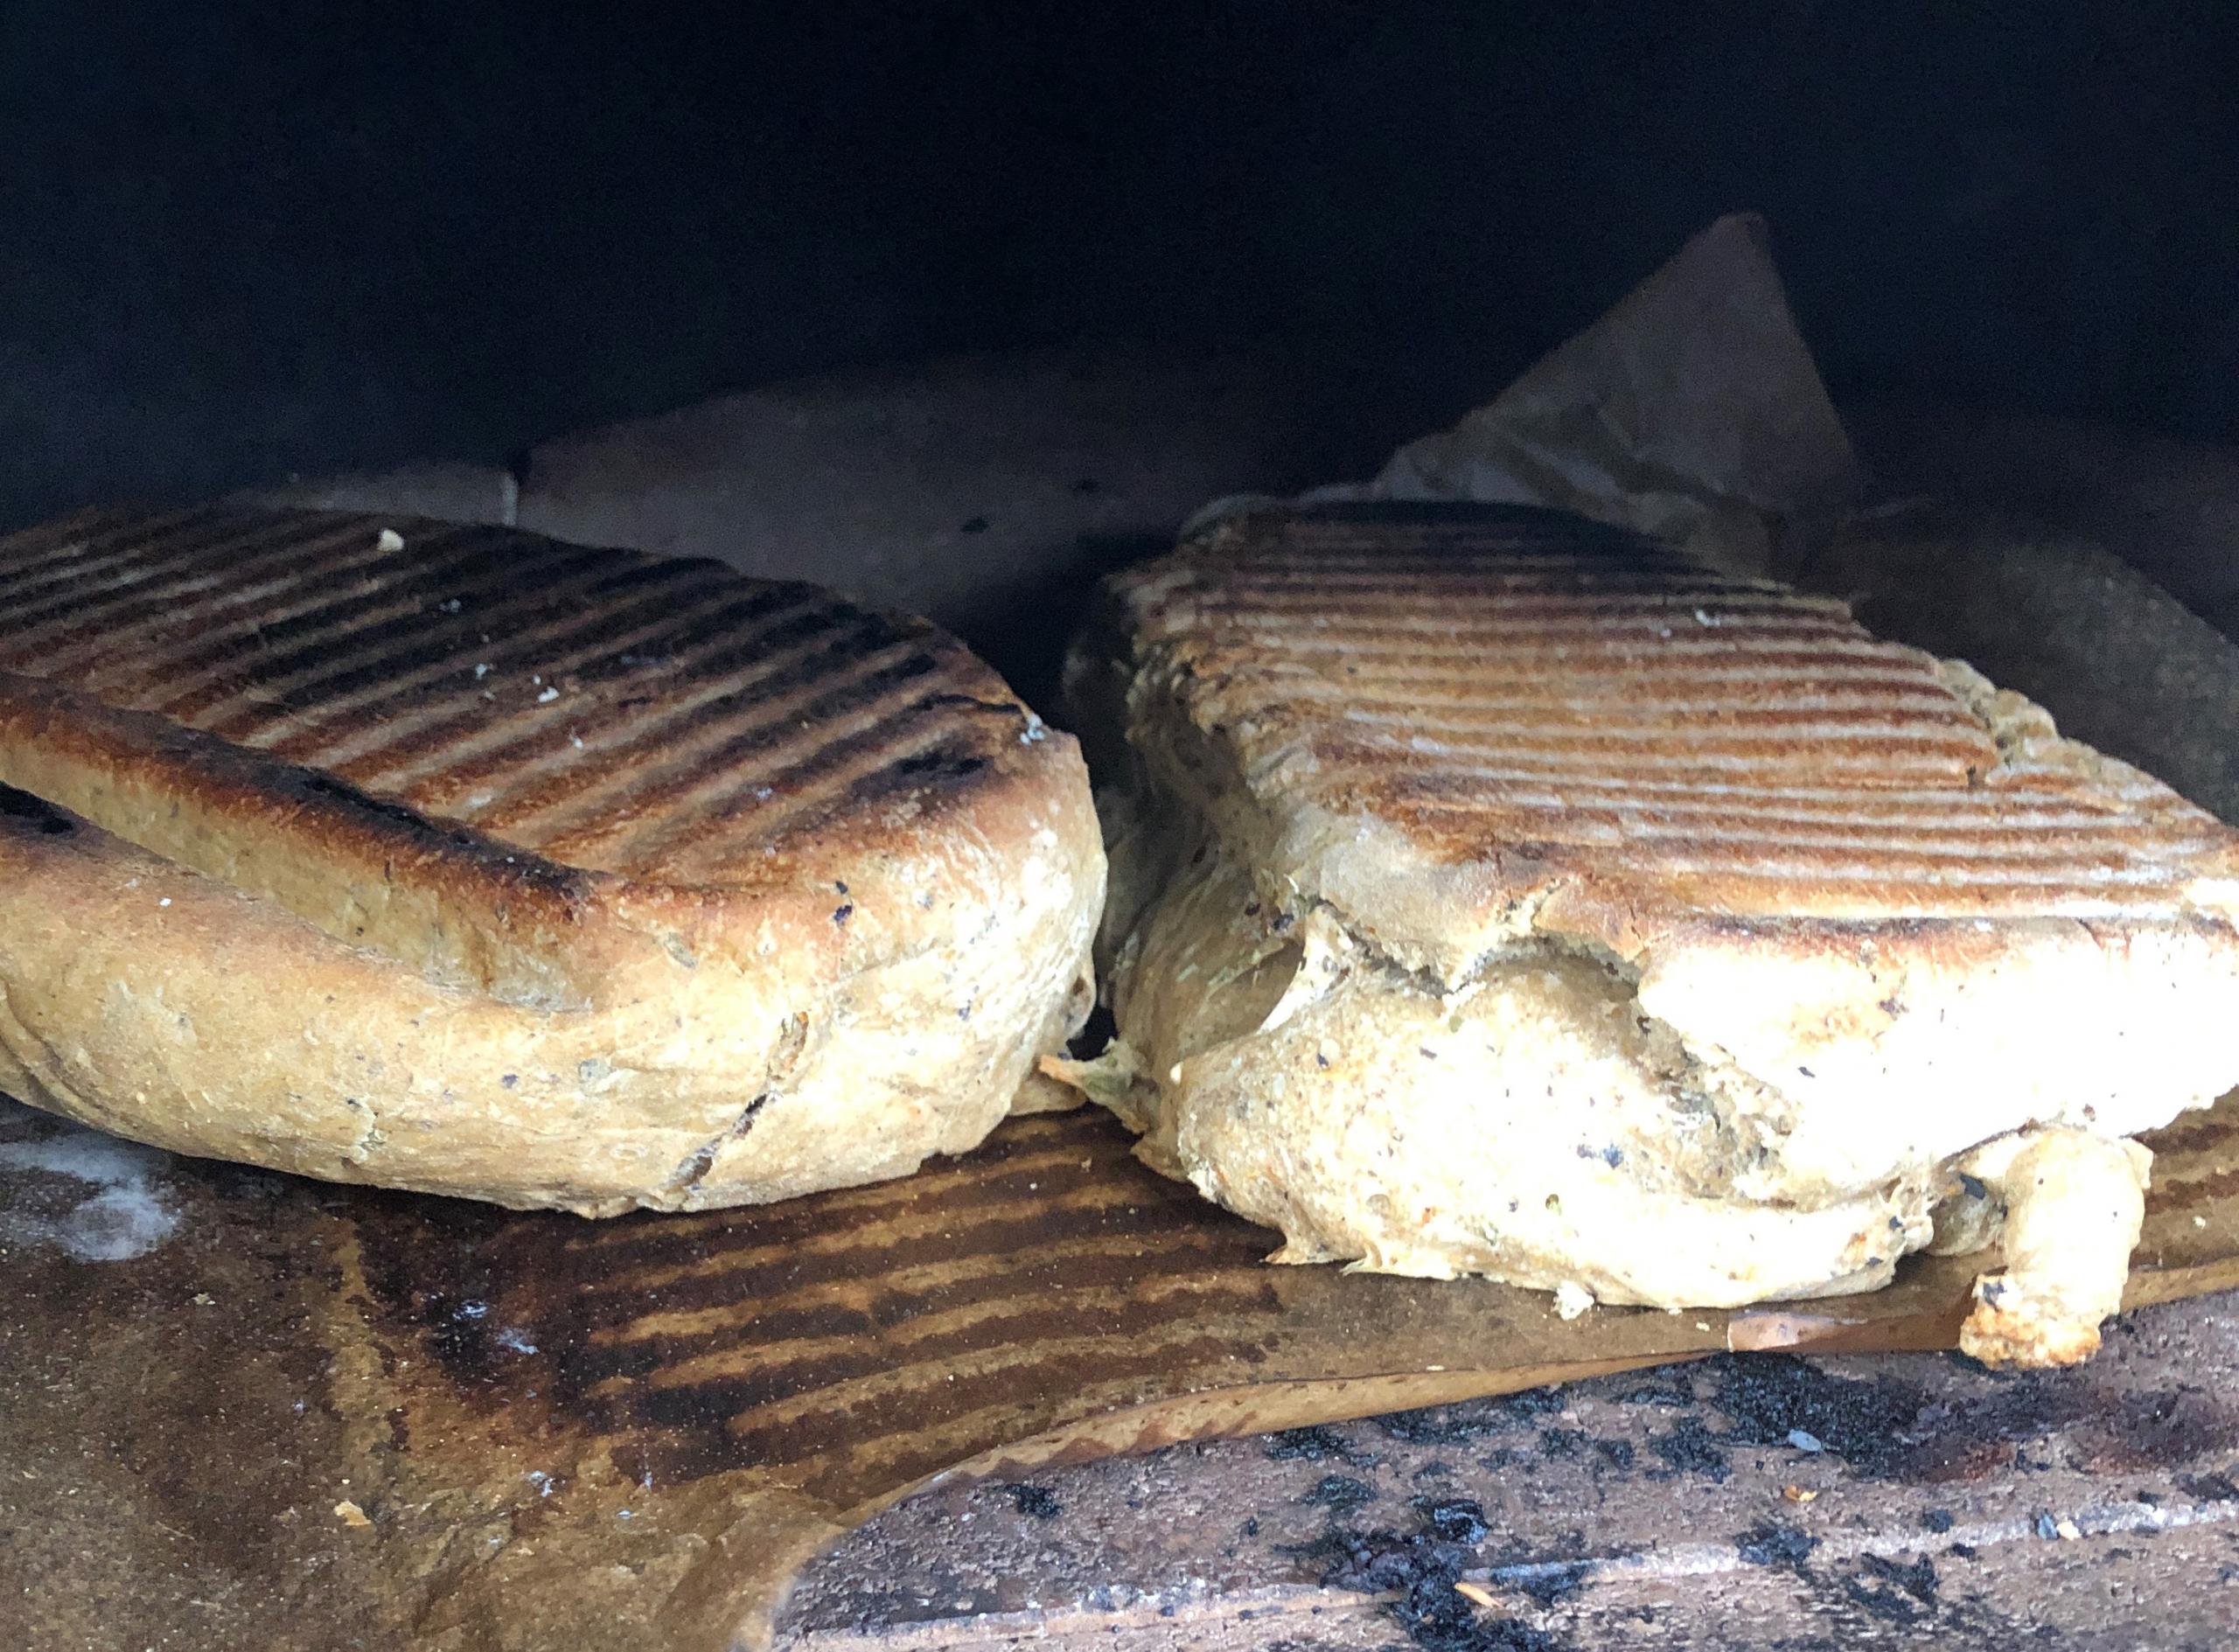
(819, 1331)
(756, 1387)
(621, 1245)
(983, 1247)
(974, 1226)
(318, 638)
(645, 1348)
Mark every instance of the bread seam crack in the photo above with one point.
(783, 1063)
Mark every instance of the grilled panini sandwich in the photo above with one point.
(458, 860)
(1497, 893)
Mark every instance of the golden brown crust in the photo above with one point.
(1460, 726)
(630, 803)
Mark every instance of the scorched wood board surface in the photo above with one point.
(237, 1408)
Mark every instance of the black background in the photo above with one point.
(242, 240)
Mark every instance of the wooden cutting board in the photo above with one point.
(319, 1417)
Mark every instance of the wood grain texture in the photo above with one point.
(634, 1433)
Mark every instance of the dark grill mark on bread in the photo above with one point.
(642, 714)
(1478, 678)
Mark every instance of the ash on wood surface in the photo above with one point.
(1749, 1502)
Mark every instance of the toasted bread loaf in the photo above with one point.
(1498, 893)
(459, 859)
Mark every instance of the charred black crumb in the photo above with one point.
(1871, 1425)
(1319, 1443)
(1499, 1458)
(1963, 1550)
(1038, 1503)
(1690, 1447)
(1447, 1425)
(1770, 1544)
(1250, 1528)
(1937, 1520)
(840, 885)
(1618, 1454)
(1454, 1519)
(510, 1080)
(972, 525)
(1533, 1402)
(1894, 1591)
(842, 912)
(1422, 1568)
(1340, 1492)
(1562, 1442)
(1434, 1469)
(1321, 1060)
(2208, 1488)
(1657, 1394)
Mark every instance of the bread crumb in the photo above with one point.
(389, 541)
(1572, 1300)
(1475, 1593)
(1798, 1494)
(547, 696)
(350, 1514)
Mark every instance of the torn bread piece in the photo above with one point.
(457, 859)
(1497, 893)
